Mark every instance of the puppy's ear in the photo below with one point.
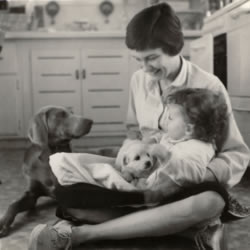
(119, 158)
(38, 129)
(125, 160)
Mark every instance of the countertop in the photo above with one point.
(225, 10)
(77, 34)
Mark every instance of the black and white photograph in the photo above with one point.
(124, 124)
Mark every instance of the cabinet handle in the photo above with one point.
(77, 74)
(241, 109)
(83, 74)
(198, 48)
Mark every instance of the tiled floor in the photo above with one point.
(13, 184)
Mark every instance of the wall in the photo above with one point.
(75, 10)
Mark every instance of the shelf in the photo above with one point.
(190, 12)
(192, 33)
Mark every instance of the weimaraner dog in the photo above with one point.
(51, 131)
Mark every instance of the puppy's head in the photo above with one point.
(135, 159)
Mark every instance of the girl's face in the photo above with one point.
(157, 64)
(177, 124)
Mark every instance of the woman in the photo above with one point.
(154, 35)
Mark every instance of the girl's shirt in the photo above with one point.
(187, 164)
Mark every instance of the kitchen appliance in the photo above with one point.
(220, 57)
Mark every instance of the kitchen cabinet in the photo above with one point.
(10, 93)
(232, 24)
(88, 72)
(238, 65)
(241, 110)
(91, 82)
(105, 88)
(55, 80)
(201, 52)
(238, 69)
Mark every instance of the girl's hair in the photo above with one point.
(206, 110)
(155, 27)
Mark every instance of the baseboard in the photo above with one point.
(77, 145)
(98, 142)
(14, 143)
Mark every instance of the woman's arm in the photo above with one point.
(141, 115)
(133, 131)
(230, 164)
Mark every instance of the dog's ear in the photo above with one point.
(119, 158)
(125, 160)
(38, 129)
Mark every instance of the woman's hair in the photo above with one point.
(206, 110)
(155, 27)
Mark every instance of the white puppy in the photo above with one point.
(136, 160)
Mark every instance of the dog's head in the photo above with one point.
(55, 124)
(135, 159)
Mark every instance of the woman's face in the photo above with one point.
(177, 125)
(157, 64)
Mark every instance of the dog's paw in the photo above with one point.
(127, 176)
(4, 228)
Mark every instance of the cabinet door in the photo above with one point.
(56, 79)
(201, 52)
(105, 89)
(238, 61)
(241, 110)
(8, 59)
(10, 101)
(10, 122)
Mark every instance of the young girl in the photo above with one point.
(193, 131)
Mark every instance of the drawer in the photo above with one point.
(242, 118)
(241, 110)
(112, 61)
(239, 16)
(108, 118)
(240, 103)
(69, 100)
(108, 79)
(108, 114)
(55, 63)
(107, 98)
(111, 127)
(8, 59)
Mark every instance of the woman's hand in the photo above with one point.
(210, 176)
